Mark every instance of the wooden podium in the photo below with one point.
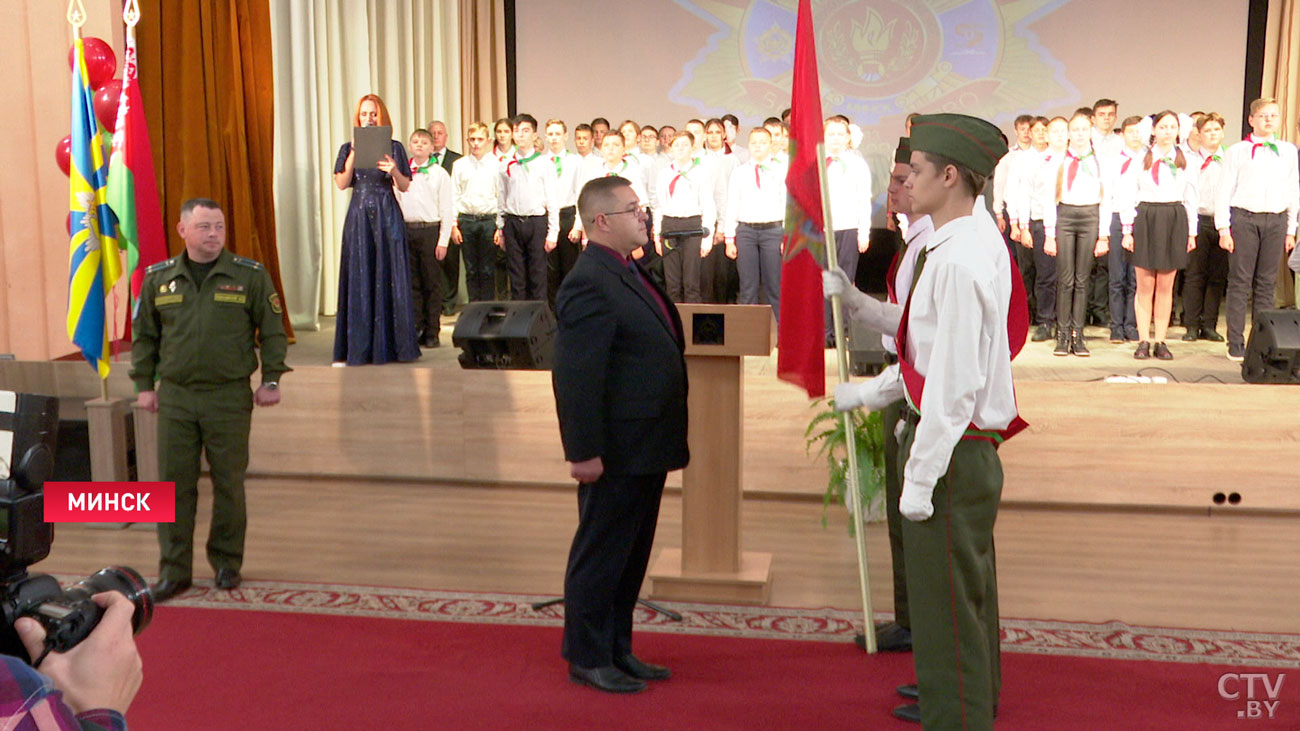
(710, 565)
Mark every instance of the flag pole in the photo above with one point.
(850, 436)
(76, 17)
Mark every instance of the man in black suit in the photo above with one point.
(620, 393)
(450, 264)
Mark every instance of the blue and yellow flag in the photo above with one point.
(94, 263)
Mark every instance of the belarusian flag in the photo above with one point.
(801, 332)
(132, 190)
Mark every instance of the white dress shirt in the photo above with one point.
(1107, 145)
(595, 167)
(1089, 188)
(1258, 180)
(428, 199)
(690, 195)
(474, 185)
(1020, 184)
(849, 180)
(721, 166)
(1174, 186)
(1121, 177)
(1038, 190)
(1209, 164)
(526, 186)
(918, 235)
(755, 194)
(957, 341)
(566, 180)
(1002, 173)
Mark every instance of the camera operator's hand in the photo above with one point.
(148, 400)
(104, 670)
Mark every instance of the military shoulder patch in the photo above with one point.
(248, 263)
(276, 307)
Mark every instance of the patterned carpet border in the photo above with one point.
(1112, 640)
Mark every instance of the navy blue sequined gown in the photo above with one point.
(375, 322)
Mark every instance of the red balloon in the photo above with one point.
(101, 62)
(63, 155)
(106, 99)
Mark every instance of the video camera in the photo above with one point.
(28, 438)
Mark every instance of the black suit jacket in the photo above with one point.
(619, 373)
(448, 157)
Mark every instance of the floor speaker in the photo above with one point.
(1273, 352)
(505, 335)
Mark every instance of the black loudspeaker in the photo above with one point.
(29, 436)
(867, 357)
(505, 335)
(1273, 353)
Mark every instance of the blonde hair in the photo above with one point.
(477, 127)
(1258, 104)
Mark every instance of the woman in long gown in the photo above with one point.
(376, 317)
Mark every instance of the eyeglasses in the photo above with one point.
(636, 209)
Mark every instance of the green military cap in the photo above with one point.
(967, 140)
(904, 152)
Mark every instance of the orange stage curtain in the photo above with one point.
(207, 87)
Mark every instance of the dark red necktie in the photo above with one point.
(1071, 171)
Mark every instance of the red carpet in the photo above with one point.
(240, 669)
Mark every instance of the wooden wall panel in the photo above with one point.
(1158, 445)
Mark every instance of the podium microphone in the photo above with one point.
(690, 233)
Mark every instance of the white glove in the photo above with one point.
(915, 504)
(850, 396)
(835, 281)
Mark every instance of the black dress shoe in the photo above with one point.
(1190, 336)
(609, 679)
(430, 340)
(893, 637)
(912, 711)
(168, 588)
(1209, 333)
(1162, 351)
(1143, 350)
(633, 666)
(908, 712)
(890, 637)
(912, 691)
(1044, 332)
(228, 578)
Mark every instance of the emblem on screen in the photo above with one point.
(879, 60)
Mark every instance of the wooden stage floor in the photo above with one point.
(383, 476)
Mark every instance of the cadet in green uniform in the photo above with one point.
(199, 317)
(954, 369)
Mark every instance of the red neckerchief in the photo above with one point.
(1266, 144)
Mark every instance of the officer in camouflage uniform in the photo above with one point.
(196, 325)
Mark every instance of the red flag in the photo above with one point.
(801, 357)
(132, 189)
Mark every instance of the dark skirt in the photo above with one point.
(1160, 236)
